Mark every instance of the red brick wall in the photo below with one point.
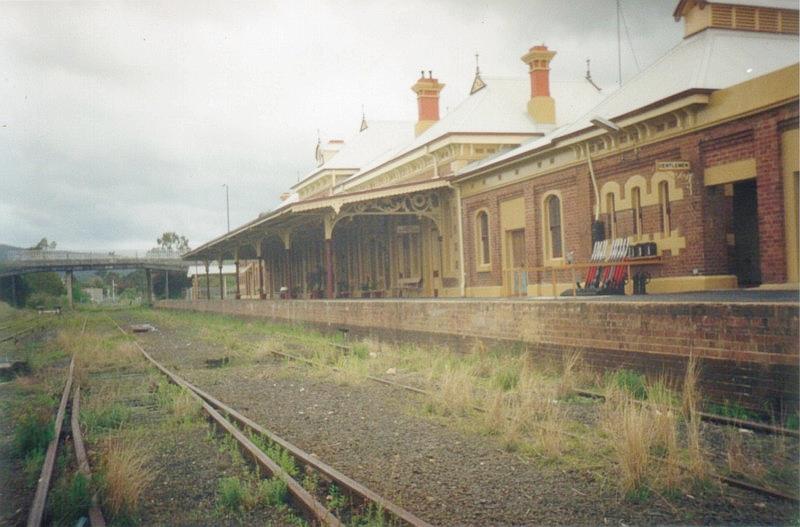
(703, 217)
(749, 352)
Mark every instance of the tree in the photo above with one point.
(173, 242)
(44, 244)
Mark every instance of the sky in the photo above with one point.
(120, 121)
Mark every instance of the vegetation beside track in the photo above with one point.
(534, 407)
(154, 457)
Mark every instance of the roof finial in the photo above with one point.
(589, 74)
(430, 74)
(363, 120)
(478, 83)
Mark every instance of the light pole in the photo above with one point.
(227, 206)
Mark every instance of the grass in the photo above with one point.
(634, 383)
(277, 454)
(182, 405)
(272, 492)
(70, 499)
(235, 494)
(125, 473)
(102, 418)
(231, 494)
(627, 424)
(732, 410)
(525, 402)
(33, 432)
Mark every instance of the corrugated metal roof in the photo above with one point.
(500, 107)
(377, 140)
(712, 59)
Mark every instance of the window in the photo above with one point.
(612, 215)
(663, 200)
(484, 254)
(636, 204)
(553, 223)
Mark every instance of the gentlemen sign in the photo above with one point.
(673, 165)
(408, 229)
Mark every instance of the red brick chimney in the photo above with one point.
(541, 107)
(427, 90)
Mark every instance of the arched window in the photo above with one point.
(636, 209)
(612, 215)
(666, 213)
(553, 226)
(484, 254)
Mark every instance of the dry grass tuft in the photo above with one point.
(454, 394)
(185, 407)
(572, 365)
(631, 436)
(739, 461)
(126, 476)
(698, 463)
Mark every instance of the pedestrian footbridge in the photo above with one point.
(24, 261)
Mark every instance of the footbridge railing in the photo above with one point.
(26, 261)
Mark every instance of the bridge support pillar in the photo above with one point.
(14, 290)
(221, 282)
(148, 274)
(69, 288)
(208, 282)
(166, 285)
(238, 287)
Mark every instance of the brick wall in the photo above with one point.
(749, 352)
(703, 216)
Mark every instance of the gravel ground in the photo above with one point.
(379, 436)
(16, 491)
(187, 461)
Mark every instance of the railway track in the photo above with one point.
(15, 336)
(733, 482)
(361, 500)
(754, 426)
(70, 402)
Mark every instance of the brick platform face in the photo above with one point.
(749, 352)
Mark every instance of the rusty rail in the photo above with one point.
(721, 419)
(300, 497)
(352, 487)
(765, 491)
(18, 333)
(40, 498)
(95, 515)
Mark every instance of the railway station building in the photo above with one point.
(697, 156)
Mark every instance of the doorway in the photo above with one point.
(516, 270)
(747, 264)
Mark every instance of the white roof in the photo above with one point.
(378, 139)
(712, 59)
(500, 107)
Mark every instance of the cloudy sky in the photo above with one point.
(119, 121)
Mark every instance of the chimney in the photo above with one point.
(427, 90)
(541, 107)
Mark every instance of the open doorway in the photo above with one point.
(747, 264)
